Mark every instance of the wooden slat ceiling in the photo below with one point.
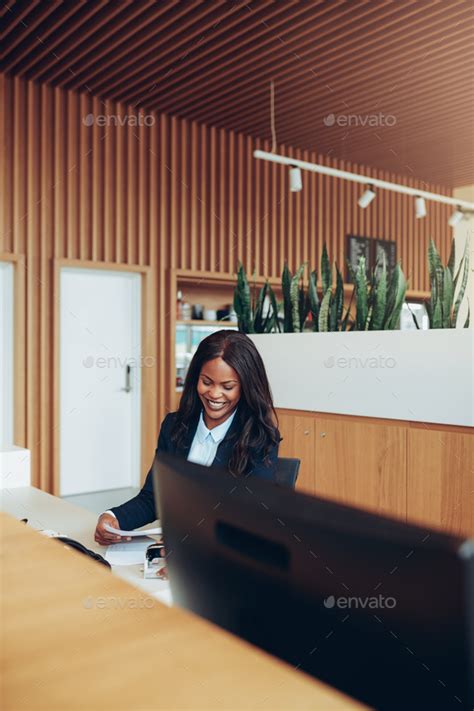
(333, 63)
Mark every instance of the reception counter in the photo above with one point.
(77, 637)
(381, 420)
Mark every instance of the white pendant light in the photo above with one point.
(366, 197)
(296, 181)
(420, 207)
(455, 218)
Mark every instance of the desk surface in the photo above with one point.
(77, 637)
(45, 511)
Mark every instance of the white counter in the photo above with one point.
(422, 376)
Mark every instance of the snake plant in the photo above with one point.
(295, 302)
(379, 299)
(250, 310)
(446, 298)
(298, 304)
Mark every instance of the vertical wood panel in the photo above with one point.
(173, 194)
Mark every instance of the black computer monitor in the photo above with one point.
(382, 610)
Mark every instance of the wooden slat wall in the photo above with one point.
(174, 194)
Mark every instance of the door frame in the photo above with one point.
(19, 345)
(148, 404)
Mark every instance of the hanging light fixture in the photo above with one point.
(420, 207)
(456, 217)
(376, 183)
(366, 197)
(296, 182)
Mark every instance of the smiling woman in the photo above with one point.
(225, 419)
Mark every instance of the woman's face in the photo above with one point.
(219, 390)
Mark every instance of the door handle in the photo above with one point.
(128, 380)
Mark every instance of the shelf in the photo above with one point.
(210, 279)
(202, 322)
(197, 278)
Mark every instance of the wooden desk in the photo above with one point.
(77, 637)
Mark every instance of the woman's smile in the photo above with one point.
(219, 391)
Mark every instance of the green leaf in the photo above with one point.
(323, 321)
(361, 296)
(275, 309)
(452, 257)
(313, 298)
(287, 307)
(447, 300)
(466, 323)
(435, 271)
(326, 273)
(295, 302)
(258, 312)
(462, 288)
(245, 302)
(339, 295)
(437, 320)
(380, 300)
(303, 307)
(399, 291)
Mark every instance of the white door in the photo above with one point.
(6, 354)
(100, 359)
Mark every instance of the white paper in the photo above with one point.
(119, 532)
(131, 553)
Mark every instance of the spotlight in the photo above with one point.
(296, 183)
(420, 207)
(455, 218)
(367, 197)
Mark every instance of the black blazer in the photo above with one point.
(141, 509)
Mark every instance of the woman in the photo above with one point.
(225, 419)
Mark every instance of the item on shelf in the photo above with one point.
(223, 314)
(210, 314)
(197, 312)
(186, 311)
(233, 315)
(179, 305)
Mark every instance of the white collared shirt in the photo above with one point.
(205, 443)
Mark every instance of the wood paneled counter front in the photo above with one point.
(419, 472)
(76, 637)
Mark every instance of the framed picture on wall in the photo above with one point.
(389, 249)
(357, 247)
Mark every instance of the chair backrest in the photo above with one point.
(287, 471)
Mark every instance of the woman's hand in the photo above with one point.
(104, 537)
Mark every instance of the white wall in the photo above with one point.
(422, 376)
(462, 232)
(6, 354)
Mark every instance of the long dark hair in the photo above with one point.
(257, 419)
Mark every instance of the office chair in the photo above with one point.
(287, 471)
